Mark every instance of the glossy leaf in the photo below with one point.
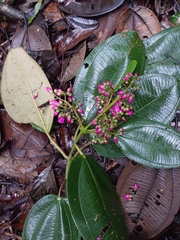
(93, 201)
(50, 218)
(89, 8)
(111, 151)
(175, 18)
(23, 89)
(162, 52)
(155, 199)
(150, 143)
(158, 98)
(36, 10)
(108, 61)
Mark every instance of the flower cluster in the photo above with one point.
(113, 107)
(134, 188)
(63, 105)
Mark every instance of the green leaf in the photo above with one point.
(110, 150)
(22, 78)
(130, 68)
(162, 52)
(36, 10)
(158, 98)
(93, 201)
(50, 218)
(109, 61)
(150, 143)
(175, 18)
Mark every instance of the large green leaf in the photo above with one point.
(23, 90)
(110, 150)
(50, 218)
(158, 98)
(150, 143)
(109, 61)
(93, 201)
(161, 48)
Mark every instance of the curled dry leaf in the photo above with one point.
(33, 38)
(23, 89)
(139, 19)
(150, 199)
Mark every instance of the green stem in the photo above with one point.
(43, 124)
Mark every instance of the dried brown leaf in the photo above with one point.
(153, 206)
(74, 64)
(107, 25)
(26, 149)
(141, 20)
(34, 38)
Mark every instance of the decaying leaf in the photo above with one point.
(23, 89)
(150, 199)
(25, 149)
(71, 39)
(45, 183)
(140, 19)
(107, 25)
(74, 63)
(33, 38)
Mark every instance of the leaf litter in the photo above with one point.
(30, 167)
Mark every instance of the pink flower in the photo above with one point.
(61, 119)
(93, 122)
(129, 113)
(35, 96)
(98, 129)
(130, 100)
(116, 108)
(55, 113)
(80, 110)
(48, 89)
(115, 140)
(135, 187)
(128, 197)
(121, 92)
(69, 119)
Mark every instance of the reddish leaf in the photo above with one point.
(150, 199)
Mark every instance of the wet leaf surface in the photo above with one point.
(90, 8)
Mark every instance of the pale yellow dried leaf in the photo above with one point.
(22, 78)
